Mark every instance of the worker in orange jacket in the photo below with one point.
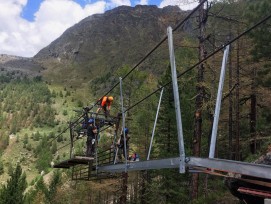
(105, 104)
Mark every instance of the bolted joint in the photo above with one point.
(187, 159)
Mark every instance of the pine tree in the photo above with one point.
(256, 11)
(260, 72)
(25, 141)
(51, 191)
(168, 188)
(1, 167)
(166, 127)
(54, 147)
(13, 191)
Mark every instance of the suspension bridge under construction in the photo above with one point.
(103, 164)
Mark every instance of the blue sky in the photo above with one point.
(27, 26)
(32, 7)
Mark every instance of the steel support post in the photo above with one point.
(176, 100)
(115, 148)
(116, 154)
(218, 103)
(96, 152)
(123, 124)
(71, 135)
(154, 126)
(96, 147)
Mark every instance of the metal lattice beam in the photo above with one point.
(255, 170)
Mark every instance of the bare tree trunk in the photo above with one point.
(89, 196)
(123, 197)
(99, 197)
(199, 99)
(230, 106)
(144, 179)
(136, 188)
(237, 117)
(253, 113)
(168, 137)
(144, 173)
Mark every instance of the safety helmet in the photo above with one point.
(126, 130)
(91, 120)
(110, 98)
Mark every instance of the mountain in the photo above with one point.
(102, 43)
(19, 65)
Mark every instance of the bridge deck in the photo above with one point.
(244, 168)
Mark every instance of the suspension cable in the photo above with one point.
(78, 139)
(142, 60)
(181, 74)
(155, 47)
(203, 60)
(67, 128)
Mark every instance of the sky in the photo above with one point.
(27, 26)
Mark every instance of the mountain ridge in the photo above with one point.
(102, 43)
(21, 65)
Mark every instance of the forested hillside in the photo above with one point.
(37, 111)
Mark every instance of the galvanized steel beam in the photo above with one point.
(244, 168)
(176, 101)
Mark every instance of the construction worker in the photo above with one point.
(134, 157)
(91, 137)
(105, 104)
(81, 130)
(121, 143)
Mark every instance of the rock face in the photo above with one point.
(104, 42)
(123, 29)
(22, 65)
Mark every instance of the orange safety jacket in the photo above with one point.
(105, 102)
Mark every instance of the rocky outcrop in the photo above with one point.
(21, 65)
(104, 42)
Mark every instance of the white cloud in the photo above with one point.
(10, 13)
(183, 4)
(142, 2)
(98, 7)
(115, 3)
(24, 38)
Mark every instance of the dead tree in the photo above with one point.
(199, 98)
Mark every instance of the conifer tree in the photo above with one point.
(168, 189)
(13, 191)
(261, 37)
(50, 192)
(1, 167)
